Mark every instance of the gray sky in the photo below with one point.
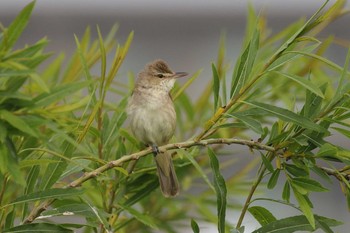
(159, 6)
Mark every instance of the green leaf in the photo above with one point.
(189, 156)
(16, 28)
(273, 179)
(319, 58)
(17, 122)
(267, 163)
(308, 184)
(284, 58)
(250, 122)
(39, 228)
(32, 178)
(9, 162)
(286, 192)
(288, 116)
(221, 191)
(295, 170)
(298, 33)
(69, 210)
(99, 216)
(216, 85)
(305, 206)
(262, 215)
(142, 193)
(46, 194)
(58, 93)
(244, 64)
(327, 150)
(313, 103)
(86, 70)
(343, 131)
(194, 226)
(303, 82)
(295, 224)
(145, 218)
(341, 89)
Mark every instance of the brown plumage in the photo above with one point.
(153, 117)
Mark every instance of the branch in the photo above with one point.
(135, 156)
(181, 145)
(337, 174)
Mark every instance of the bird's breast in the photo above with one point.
(152, 117)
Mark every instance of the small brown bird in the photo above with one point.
(153, 118)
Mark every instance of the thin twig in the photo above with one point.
(337, 174)
(135, 156)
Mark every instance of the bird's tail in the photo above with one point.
(166, 173)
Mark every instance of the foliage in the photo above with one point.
(65, 150)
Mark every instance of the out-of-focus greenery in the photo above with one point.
(57, 127)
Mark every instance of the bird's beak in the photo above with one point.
(180, 74)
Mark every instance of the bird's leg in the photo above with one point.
(155, 149)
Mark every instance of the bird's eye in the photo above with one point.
(160, 75)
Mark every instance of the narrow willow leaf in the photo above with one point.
(69, 210)
(286, 192)
(216, 85)
(103, 58)
(31, 180)
(295, 224)
(321, 59)
(221, 191)
(47, 194)
(40, 82)
(119, 57)
(10, 219)
(99, 216)
(305, 207)
(321, 173)
(194, 226)
(244, 65)
(84, 62)
(17, 122)
(16, 27)
(273, 179)
(262, 215)
(71, 107)
(284, 58)
(38, 227)
(313, 103)
(142, 193)
(288, 116)
(343, 131)
(58, 93)
(52, 70)
(250, 122)
(303, 82)
(198, 168)
(299, 32)
(327, 149)
(308, 184)
(341, 89)
(28, 51)
(295, 170)
(9, 162)
(267, 163)
(144, 218)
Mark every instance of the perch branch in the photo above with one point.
(135, 156)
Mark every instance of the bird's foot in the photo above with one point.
(155, 149)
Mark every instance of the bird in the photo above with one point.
(152, 118)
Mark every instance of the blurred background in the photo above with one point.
(184, 33)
